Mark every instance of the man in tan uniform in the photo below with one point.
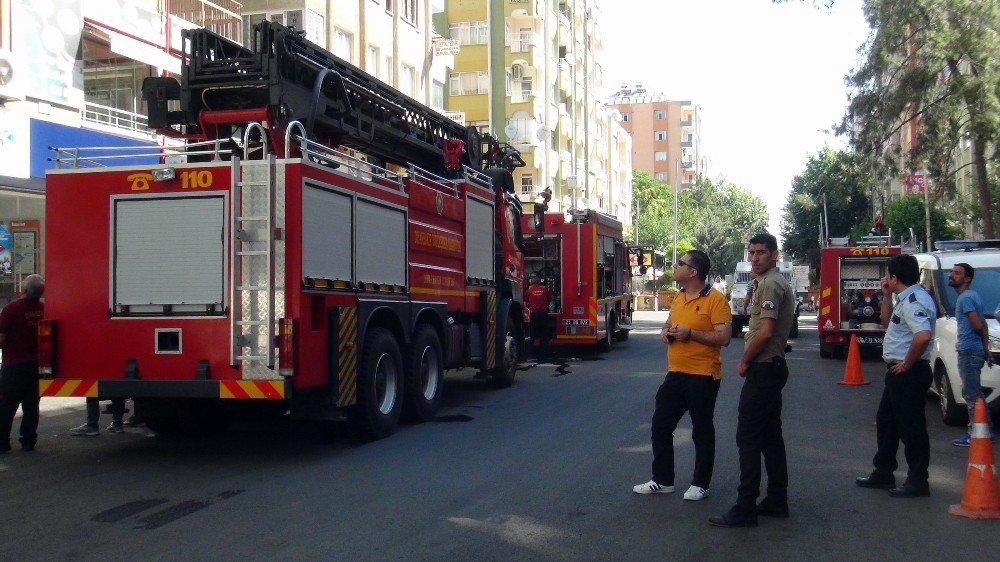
(758, 431)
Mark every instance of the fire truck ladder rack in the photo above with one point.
(252, 318)
(341, 161)
(291, 79)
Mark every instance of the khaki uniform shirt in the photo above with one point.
(772, 298)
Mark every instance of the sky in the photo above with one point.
(769, 78)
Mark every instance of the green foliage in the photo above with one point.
(842, 177)
(908, 212)
(711, 217)
(935, 63)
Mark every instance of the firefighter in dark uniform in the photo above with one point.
(538, 304)
(906, 350)
(758, 429)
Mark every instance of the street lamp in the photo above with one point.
(677, 179)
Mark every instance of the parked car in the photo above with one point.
(984, 256)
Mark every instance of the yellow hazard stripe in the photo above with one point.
(826, 291)
(244, 390)
(347, 356)
(491, 329)
(67, 387)
(824, 311)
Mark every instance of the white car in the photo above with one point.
(984, 256)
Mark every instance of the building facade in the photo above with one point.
(666, 135)
(527, 72)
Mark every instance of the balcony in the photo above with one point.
(523, 96)
(530, 190)
(689, 122)
(116, 120)
(220, 16)
(687, 185)
(687, 164)
(687, 144)
(523, 41)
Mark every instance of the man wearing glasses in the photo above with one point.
(758, 429)
(696, 332)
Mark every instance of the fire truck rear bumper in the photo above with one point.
(231, 389)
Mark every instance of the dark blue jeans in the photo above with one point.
(970, 365)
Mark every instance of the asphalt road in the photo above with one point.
(540, 471)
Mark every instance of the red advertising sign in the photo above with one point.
(915, 184)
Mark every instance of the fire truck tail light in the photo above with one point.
(286, 347)
(46, 347)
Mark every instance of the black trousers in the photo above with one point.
(678, 394)
(540, 331)
(758, 433)
(901, 417)
(19, 387)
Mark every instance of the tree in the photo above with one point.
(840, 176)
(935, 64)
(908, 212)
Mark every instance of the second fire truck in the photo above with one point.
(583, 260)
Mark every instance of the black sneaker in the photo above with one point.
(772, 508)
(877, 481)
(27, 447)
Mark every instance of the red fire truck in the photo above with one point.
(585, 264)
(850, 293)
(320, 244)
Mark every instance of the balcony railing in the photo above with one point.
(522, 41)
(220, 16)
(687, 144)
(687, 164)
(687, 122)
(125, 121)
(530, 190)
(522, 96)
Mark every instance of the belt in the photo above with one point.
(771, 361)
(889, 362)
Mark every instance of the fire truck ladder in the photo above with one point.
(252, 321)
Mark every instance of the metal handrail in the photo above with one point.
(431, 180)
(79, 157)
(356, 166)
(478, 178)
(251, 127)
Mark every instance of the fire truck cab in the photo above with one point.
(585, 264)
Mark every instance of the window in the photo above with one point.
(410, 11)
(660, 156)
(660, 135)
(467, 83)
(372, 60)
(343, 44)
(390, 69)
(527, 184)
(661, 176)
(659, 114)
(407, 80)
(437, 95)
(469, 32)
(554, 140)
(626, 116)
(315, 27)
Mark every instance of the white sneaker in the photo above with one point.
(85, 430)
(115, 428)
(652, 487)
(695, 494)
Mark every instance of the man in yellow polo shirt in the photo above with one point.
(697, 330)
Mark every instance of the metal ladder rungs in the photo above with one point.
(252, 357)
(251, 323)
(252, 288)
(252, 253)
(254, 218)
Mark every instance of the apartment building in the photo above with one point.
(666, 135)
(71, 75)
(394, 40)
(527, 72)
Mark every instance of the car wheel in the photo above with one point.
(951, 412)
(824, 350)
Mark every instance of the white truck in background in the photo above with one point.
(739, 296)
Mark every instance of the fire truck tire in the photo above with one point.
(951, 412)
(607, 342)
(824, 350)
(380, 386)
(621, 335)
(508, 352)
(424, 376)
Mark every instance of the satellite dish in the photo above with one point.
(543, 133)
(510, 130)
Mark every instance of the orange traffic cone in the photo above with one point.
(980, 498)
(852, 371)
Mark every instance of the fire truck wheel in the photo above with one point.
(621, 335)
(380, 386)
(951, 413)
(424, 376)
(824, 350)
(609, 334)
(509, 352)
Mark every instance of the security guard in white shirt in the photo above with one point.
(906, 350)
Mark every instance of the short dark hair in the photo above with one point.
(970, 271)
(700, 262)
(767, 240)
(905, 268)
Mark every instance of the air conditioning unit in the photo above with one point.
(11, 78)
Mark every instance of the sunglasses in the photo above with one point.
(682, 262)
